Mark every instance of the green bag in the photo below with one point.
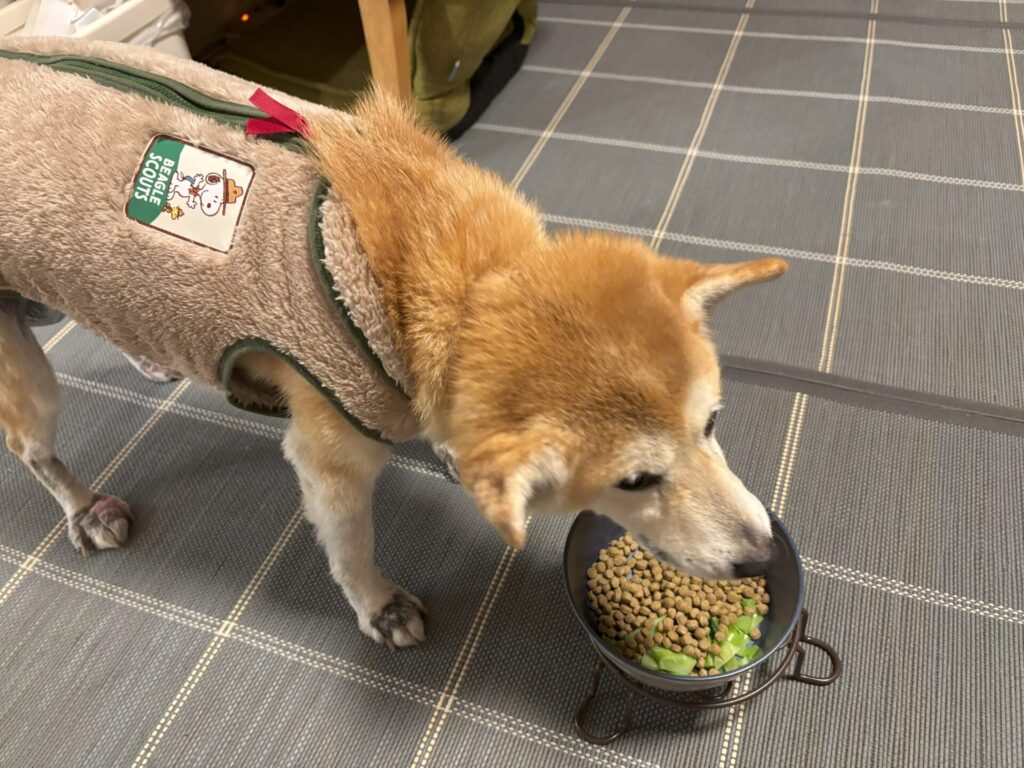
(462, 54)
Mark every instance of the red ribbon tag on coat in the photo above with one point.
(281, 119)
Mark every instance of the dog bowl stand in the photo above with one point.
(713, 698)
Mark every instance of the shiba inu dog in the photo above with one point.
(560, 372)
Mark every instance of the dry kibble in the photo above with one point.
(640, 604)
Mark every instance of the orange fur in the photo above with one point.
(520, 342)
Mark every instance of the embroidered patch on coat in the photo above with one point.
(190, 192)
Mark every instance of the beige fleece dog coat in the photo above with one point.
(137, 205)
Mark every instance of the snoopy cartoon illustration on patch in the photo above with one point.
(213, 191)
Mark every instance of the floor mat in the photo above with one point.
(883, 157)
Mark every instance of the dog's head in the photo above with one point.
(587, 380)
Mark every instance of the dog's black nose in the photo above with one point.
(750, 568)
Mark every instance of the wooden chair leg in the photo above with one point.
(386, 31)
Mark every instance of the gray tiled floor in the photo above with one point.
(786, 207)
(951, 339)
(904, 717)
(814, 130)
(304, 716)
(963, 144)
(960, 77)
(907, 526)
(102, 665)
(970, 230)
(645, 112)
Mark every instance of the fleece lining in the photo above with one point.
(75, 137)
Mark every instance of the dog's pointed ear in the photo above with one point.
(503, 477)
(702, 285)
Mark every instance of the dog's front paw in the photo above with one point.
(103, 525)
(398, 623)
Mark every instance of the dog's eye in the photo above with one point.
(638, 482)
(709, 428)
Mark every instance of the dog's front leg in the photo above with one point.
(337, 468)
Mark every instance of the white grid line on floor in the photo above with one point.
(789, 253)
(796, 93)
(731, 157)
(792, 36)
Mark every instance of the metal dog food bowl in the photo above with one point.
(783, 633)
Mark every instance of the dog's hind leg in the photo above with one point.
(337, 468)
(29, 408)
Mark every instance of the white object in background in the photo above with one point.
(51, 18)
(154, 23)
(83, 20)
(99, 5)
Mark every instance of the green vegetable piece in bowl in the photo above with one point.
(727, 650)
(659, 653)
(678, 664)
(736, 639)
(648, 661)
(750, 652)
(745, 623)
